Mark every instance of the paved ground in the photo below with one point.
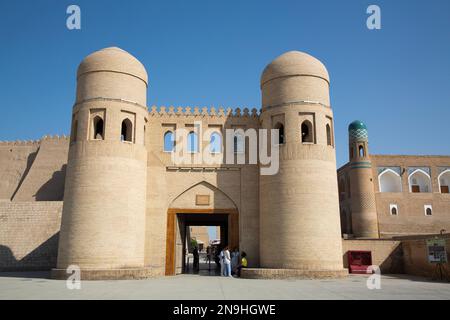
(36, 286)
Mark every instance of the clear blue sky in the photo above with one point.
(205, 52)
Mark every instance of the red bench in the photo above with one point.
(359, 261)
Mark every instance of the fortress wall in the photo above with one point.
(16, 159)
(46, 176)
(29, 235)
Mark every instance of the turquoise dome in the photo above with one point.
(357, 130)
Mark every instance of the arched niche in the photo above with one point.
(390, 181)
(419, 181)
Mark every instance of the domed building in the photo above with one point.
(121, 197)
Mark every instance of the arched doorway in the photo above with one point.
(200, 205)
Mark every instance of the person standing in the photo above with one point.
(227, 262)
(196, 259)
(221, 261)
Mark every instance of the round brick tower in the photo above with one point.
(364, 214)
(299, 208)
(103, 219)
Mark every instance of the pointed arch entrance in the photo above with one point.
(200, 205)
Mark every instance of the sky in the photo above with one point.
(212, 53)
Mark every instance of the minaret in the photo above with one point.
(299, 207)
(363, 208)
(103, 219)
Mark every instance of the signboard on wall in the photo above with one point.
(437, 252)
(202, 200)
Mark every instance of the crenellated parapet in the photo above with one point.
(219, 112)
(55, 137)
(20, 143)
(47, 138)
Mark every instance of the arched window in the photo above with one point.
(169, 141)
(215, 143)
(238, 141)
(98, 128)
(390, 181)
(280, 128)
(419, 181)
(192, 142)
(444, 181)
(73, 135)
(307, 132)
(127, 131)
(428, 210)
(361, 152)
(393, 209)
(328, 128)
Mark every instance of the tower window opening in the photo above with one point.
(394, 209)
(280, 128)
(238, 142)
(307, 136)
(328, 128)
(361, 152)
(127, 131)
(169, 141)
(215, 143)
(98, 128)
(192, 142)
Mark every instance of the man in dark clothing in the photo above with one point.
(196, 259)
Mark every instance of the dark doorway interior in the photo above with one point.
(206, 266)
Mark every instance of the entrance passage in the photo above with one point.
(180, 248)
(199, 255)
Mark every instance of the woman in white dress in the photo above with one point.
(227, 262)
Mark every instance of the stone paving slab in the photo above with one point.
(36, 285)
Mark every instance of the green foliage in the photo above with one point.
(194, 243)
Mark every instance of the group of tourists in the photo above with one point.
(232, 263)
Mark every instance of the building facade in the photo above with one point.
(385, 196)
(114, 199)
